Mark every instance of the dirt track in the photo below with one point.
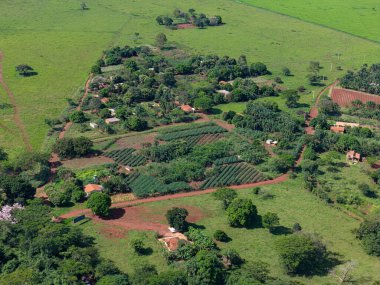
(16, 112)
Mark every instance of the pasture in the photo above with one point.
(61, 42)
(289, 200)
(358, 18)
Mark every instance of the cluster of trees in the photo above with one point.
(367, 79)
(199, 20)
(369, 235)
(369, 109)
(314, 76)
(73, 147)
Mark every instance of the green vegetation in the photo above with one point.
(126, 156)
(345, 16)
(99, 203)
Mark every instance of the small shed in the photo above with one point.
(93, 125)
(112, 121)
(91, 188)
(337, 129)
(187, 109)
(353, 156)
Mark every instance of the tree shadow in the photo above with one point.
(5, 106)
(146, 251)
(215, 111)
(280, 230)
(29, 74)
(302, 105)
(115, 213)
(195, 226)
(168, 48)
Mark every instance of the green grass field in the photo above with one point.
(290, 202)
(62, 42)
(360, 18)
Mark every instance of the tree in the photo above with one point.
(24, 69)
(270, 220)
(303, 254)
(15, 189)
(176, 218)
(72, 147)
(220, 235)
(96, 69)
(225, 195)
(160, 20)
(369, 234)
(161, 40)
(241, 213)
(291, 96)
(314, 67)
(258, 68)
(204, 103)
(77, 117)
(205, 269)
(171, 277)
(137, 245)
(135, 123)
(286, 71)
(296, 227)
(99, 203)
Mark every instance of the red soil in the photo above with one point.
(344, 97)
(185, 26)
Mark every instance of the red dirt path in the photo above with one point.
(16, 112)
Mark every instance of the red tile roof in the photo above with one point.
(187, 108)
(337, 129)
(89, 188)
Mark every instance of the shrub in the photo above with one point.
(99, 203)
(270, 220)
(220, 235)
(77, 117)
(137, 245)
(177, 218)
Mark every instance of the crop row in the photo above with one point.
(191, 132)
(144, 186)
(186, 127)
(126, 156)
(202, 139)
(233, 174)
(227, 160)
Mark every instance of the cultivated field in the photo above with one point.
(360, 18)
(344, 97)
(61, 43)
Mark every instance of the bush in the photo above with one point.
(137, 245)
(369, 234)
(176, 218)
(270, 220)
(77, 117)
(220, 235)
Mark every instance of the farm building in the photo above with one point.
(91, 188)
(104, 100)
(344, 97)
(353, 156)
(94, 125)
(187, 109)
(337, 129)
(271, 142)
(112, 121)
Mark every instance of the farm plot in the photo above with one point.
(227, 160)
(233, 174)
(344, 97)
(191, 132)
(202, 139)
(144, 186)
(126, 156)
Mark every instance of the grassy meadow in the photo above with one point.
(360, 18)
(290, 202)
(61, 43)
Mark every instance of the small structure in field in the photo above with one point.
(187, 109)
(128, 168)
(93, 125)
(91, 188)
(173, 241)
(337, 129)
(353, 156)
(105, 100)
(113, 112)
(271, 142)
(112, 121)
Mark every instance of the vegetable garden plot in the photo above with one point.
(202, 139)
(227, 160)
(191, 132)
(233, 174)
(186, 127)
(126, 156)
(144, 186)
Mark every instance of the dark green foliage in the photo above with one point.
(205, 269)
(25, 70)
(227, 160)
(126, 156)
(367, 191)
(233, 258)
(15, 190)
(77, 117)
(328, 107)
(116, 184)
(241, 213)
(73, 147)
(167, 152)
(99, 203)
(302, 254)
(286, 71)
(369, 234)
(296, 227)
(117, 279)
(200, 241)
(220, 235)
(190, 130)
(225, 195)
(203, 103)
(137, 245)
(366, 79)
(176, 218)
(291, 96)
(135, 123)
(258, 68)
(171, 277)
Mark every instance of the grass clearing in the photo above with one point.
(61, 43)
(350, 16)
